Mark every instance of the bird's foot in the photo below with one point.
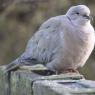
(70, 70)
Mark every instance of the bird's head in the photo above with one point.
(79, 15)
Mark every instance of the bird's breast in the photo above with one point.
(78, 46)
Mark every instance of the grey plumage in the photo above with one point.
(62, 42)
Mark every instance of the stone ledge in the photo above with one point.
(25, 82)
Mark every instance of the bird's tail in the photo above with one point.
(20, 61)
(11, 66)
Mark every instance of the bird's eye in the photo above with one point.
(77, 13)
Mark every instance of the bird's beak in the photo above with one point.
(89, 17)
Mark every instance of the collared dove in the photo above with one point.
(64, 42)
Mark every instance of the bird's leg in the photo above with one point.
(70, 70)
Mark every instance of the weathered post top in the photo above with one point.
(32, 80)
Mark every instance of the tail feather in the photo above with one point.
(11, 66)
(15, 64)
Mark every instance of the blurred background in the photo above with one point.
(19, 19)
